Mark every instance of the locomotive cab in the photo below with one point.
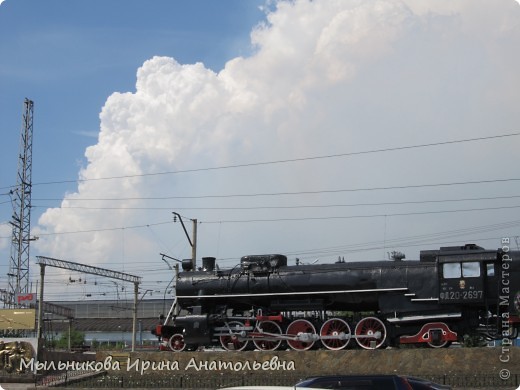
(462, 274)
(471, 275)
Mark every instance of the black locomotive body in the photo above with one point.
(266, 304)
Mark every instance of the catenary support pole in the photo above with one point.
(40, 304)
(194, 246)
(134, 319)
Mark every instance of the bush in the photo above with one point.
(77, 339)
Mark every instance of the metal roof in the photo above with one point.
(102, 325)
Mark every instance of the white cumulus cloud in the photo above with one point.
(327, 77)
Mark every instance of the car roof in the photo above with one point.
(355, 376)
(326, 380)
(259, 387)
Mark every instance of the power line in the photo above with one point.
(382, 245)
(362, 216)
(286, 219)
(284, 161)
(408, 241)
(293, 193)
(104, 229)
(413, 240)
(288, 207)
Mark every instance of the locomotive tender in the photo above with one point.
(264, 303)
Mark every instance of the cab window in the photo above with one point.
(471, 270)
(451, 270)
(461, 270)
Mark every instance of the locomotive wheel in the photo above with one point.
(233, 342)
(176, 343)
(369, 326)
(270, 327)
(300, 327)
(439, 344)
(335, 327)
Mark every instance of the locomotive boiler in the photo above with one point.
(266, 304)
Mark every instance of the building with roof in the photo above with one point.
(108, 322)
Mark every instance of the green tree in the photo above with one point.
(77, 339)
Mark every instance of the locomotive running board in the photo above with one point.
(424, 299)
(424, 317)
(293, 293)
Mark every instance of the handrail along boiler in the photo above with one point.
(264, 303)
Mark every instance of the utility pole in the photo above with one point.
(21, 220)
(193, 243)
(194, 246)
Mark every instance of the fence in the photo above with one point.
(218, 380)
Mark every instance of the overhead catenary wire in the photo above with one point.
(363, 215)
(282, 161)
(410, 241)
(439, 238)
(308, 192)
(292, 193)
(433, 238)
(274, 207)
(281, 220)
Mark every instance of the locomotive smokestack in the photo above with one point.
(208, 263)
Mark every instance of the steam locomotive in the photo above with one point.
(266, 304)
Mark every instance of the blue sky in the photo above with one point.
(68, 57)
(191, 106)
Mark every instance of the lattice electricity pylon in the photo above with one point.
(21, 219)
